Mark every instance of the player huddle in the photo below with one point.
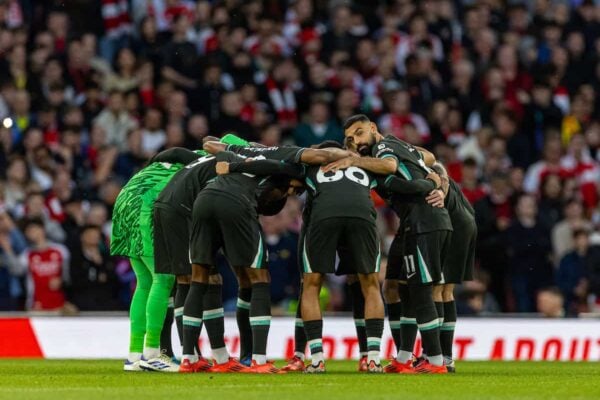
(175, 215)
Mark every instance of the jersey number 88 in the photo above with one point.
(355, 174)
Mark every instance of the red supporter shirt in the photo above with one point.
(43, 266)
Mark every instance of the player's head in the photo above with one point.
(329, 144)
(361, 133)
(439, 169)
(273, 193)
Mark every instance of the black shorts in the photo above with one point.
(424, 257)
(395, 262)
(221, 222)
(171, 242)
(460, 256)
(354, 239)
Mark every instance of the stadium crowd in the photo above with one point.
(503, 92)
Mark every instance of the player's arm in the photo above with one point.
(379, 166)
(268, 167)
(413, 187)
(175, 155)
(214, 147)
(228, 162)
(441, 171)
(323, 156)
(428, 156)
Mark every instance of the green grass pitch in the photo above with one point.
(101, 379)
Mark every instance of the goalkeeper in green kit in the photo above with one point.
(132, 236)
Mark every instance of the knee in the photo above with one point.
(391, 291)
(311, 283)
(437, 293)
(199, 273)
(258, 275)
(144, 281)
(448, 293)
(164, 280)
(215, 279)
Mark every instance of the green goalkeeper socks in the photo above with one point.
(137, 311)
(156, 308)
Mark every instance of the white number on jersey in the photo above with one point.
(355, 174)
(199, 161)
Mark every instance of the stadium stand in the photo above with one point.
(504, 93)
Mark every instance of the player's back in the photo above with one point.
(185, 185)
(280, 153)
(460, 210)
(417, 215)
(239, 186)
(344, 193)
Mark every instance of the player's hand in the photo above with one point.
(435, 198)
(55, 283)
(434, 177)
(339, 164)
(222, 168)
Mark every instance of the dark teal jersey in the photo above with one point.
(344, 193)
(459, 208)
(280, 153)
(182, 190)
(416, 216)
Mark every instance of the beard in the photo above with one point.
(365, 148)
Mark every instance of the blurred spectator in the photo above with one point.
(35, 207)
(115, 121)
(550, 206)
(493, 214)
(46, 267)
(528, 245)
(17, 180)
(153, 135)
(400, 118)
(230, 119)
(12, 243)
(541, 115)
(180, 60)
(93, 281)
(318, 127)
(572, 272)
(550, 164)
(283, 258)
(197, 129)
(562, 232)
(550, 303)
(502, 92)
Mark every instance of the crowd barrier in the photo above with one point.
(476, 339)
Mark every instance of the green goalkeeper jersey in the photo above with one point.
(132, 215)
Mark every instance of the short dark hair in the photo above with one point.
(27, 222)
(581, 231)
(470, 162)
(330, 143)
(90, 226)
(354, 119)
(439, 169)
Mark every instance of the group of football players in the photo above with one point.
(175, 215)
